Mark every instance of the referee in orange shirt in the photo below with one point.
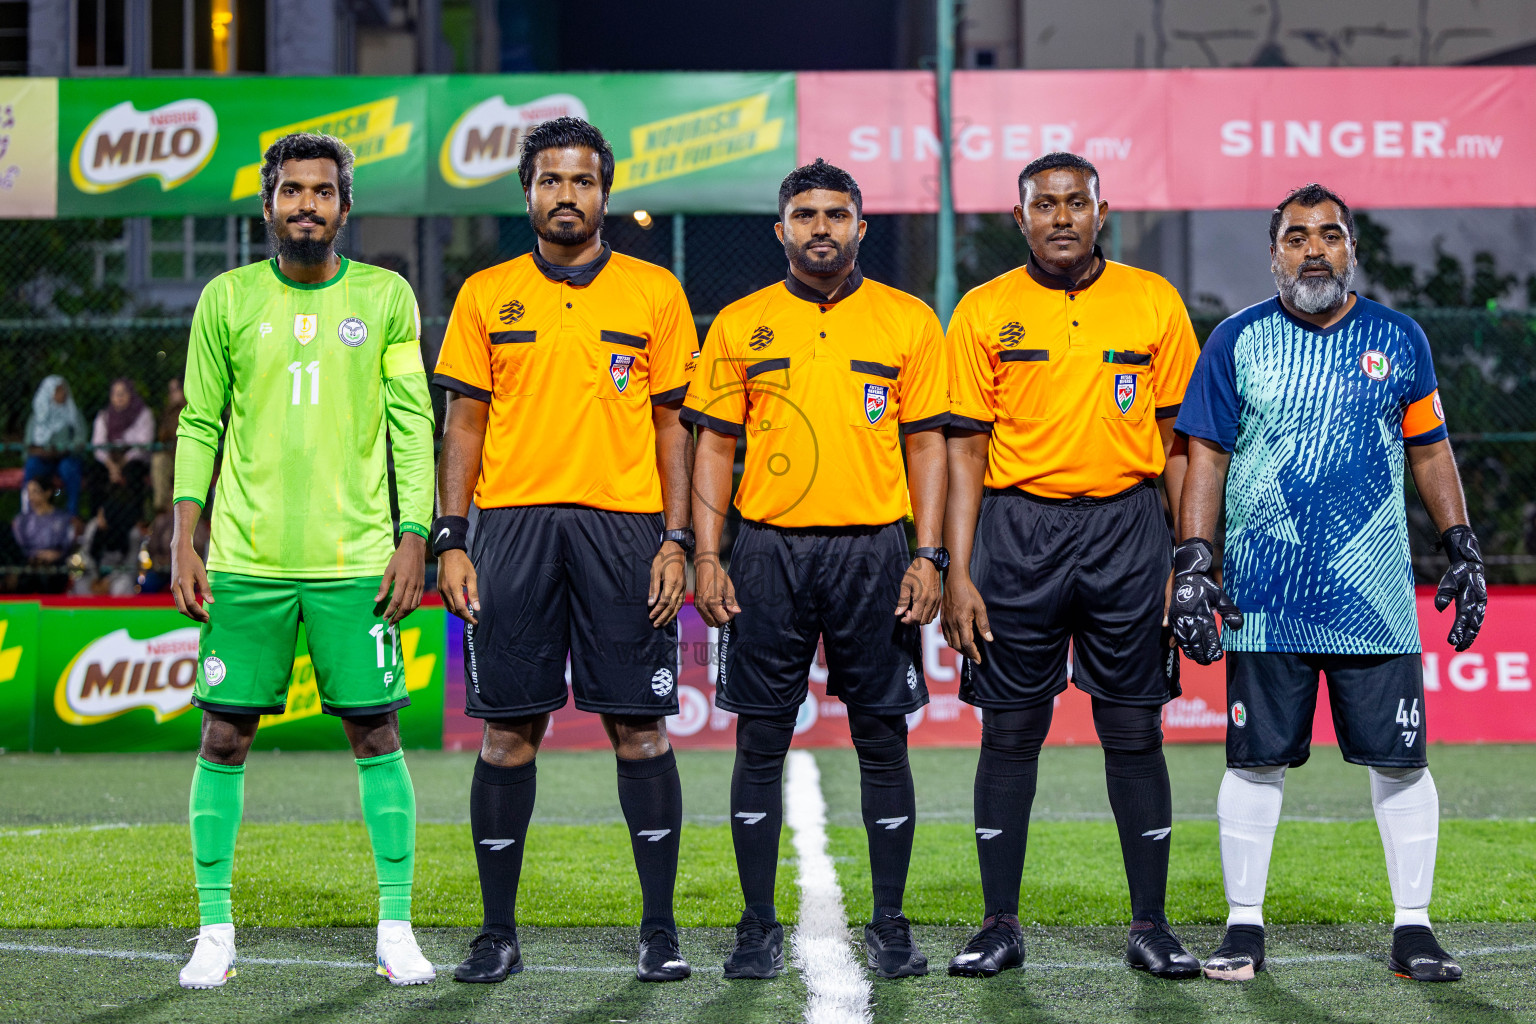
(566, 369)
(825, 373)
(1068, 373)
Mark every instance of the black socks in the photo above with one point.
(888, 803)
(500, 806)
(757, 807)
(1005, 791)
(651, 796)
(1137, 779)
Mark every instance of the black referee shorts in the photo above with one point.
(1377, 702)
(839, 585)
(567, 579)
(1090, 570)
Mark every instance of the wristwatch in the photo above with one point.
(938, 556)
(683, 538)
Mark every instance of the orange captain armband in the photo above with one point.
(1424, 416)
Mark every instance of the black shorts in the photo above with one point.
(1377, 702)
(838, 584)
(1090, 570)
(566, 579)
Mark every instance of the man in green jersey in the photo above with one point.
(315, 357)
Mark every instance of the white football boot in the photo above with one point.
(213, 961)
(399, 958)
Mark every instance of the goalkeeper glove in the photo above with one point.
(1464, 583)
(1197, 597)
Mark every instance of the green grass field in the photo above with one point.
(96, 896)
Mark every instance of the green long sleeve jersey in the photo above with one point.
(314, 377)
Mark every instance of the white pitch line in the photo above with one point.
(838, 989)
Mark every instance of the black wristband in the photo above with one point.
(1461, 545)
(1194, 555)
(449, 533)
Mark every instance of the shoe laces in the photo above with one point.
(659, 939)
(217, 944)
(893, 932)
(752, 932)
(1160, 938)
(995, 933)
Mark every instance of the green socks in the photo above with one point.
(389, 809)
(214, 809)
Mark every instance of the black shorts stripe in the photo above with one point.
(930, 423)
(964, 424)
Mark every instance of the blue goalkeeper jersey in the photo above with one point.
(1316, 552)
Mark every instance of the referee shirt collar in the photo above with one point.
(800, 290)
(1050, 279)
(579, 275)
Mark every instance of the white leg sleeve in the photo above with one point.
(1248, 810)
(1408, 815)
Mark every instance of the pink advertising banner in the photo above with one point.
(1479, 696)
(1213, 139)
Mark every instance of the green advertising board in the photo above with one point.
(690, 143)
(18, 672)
(425, 145)
(171, 146)
(120, 679)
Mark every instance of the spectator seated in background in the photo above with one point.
(162, 463)
(54, 432)
(46, 537)
(122, 434)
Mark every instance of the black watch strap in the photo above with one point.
(683, 538)
(449, 533)
(938, 556)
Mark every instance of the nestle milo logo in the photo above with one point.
(118, 673)
(486, 141)
(123, 144)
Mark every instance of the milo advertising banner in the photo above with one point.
(172, 146)
(705, 143)
(115, 677)
(695, 143)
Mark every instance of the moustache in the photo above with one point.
(821, 241)
(311, 218)
(1307, 265)
(557, 211)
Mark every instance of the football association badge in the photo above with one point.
(304, 327)
(352, 332)
(875, 396)
(1239, 714)
(661, 682)
(1375, 365)
(213, 671)
(618, 369)
(1125, 391)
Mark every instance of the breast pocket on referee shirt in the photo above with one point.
(622, 372)
(1024, 390)
(1125, 387)
(873, 398)
(769, 410)
(512, 357)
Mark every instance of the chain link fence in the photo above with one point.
(71, 305)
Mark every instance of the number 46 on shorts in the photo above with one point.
(1408, 716)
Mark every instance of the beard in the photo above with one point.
(578, 234)
(301, 250)
(1313, 294)
(838, 262)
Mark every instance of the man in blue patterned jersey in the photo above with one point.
(1303, 409)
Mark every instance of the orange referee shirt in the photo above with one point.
(823, 391)
(1070, 379)
(571, 360)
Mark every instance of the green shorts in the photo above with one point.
(246, 651)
